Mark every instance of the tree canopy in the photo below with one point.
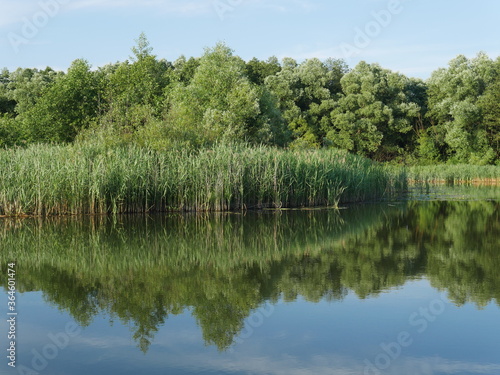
(195, 102)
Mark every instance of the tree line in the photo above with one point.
(453, 117)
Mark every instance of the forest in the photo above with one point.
(197, 103)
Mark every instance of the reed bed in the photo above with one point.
(455, 174)
(44, 180)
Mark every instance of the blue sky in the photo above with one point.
(414, 37)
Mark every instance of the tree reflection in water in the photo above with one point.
(142, 269)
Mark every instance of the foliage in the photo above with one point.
(456, 110)
(306, 94)
(456, 173)
(198, 102)
(219, 104)
(10, 134)
(489, 105)
(375, 114)
(134, 92)
(69, 105)
(184, 69)
(23, 87)
(257, 71)
(98, 178)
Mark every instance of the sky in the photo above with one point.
(414, 37)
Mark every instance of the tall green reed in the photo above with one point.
(459, 173)
(89, 178)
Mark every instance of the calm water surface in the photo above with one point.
(401, 287)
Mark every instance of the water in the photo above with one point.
(403, 287)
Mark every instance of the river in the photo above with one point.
(403, 286)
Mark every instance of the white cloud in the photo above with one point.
(102, 342)
(283, 5)
(437, 365)
(261, 364)
(14, 11)
(195, 7)
(258, 359)
(338, 365)
(169, 6)
(258, 363)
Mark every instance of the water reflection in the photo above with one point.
(142, 270)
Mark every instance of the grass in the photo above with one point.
(44, 180)
(454, 174)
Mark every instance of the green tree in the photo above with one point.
(305, 95)
(134, 92)
(25, 87)
(375, 114)
(219, 103)
(427, 150)
(455, 109)
(67, 106)
(142, 49)
(184, 69)
(10, 132)
(489, 103)
(257, 70)
(8, 125)
(7, 104)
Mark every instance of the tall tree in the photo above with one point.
(305, 94)
(19, 92)
(375, 113)
(489, 104)
(219, 103)
(26, 86)
(64, 108)
(7, 104)
(184, 69)
(135, 90)
(455, 110)
(257, 70)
